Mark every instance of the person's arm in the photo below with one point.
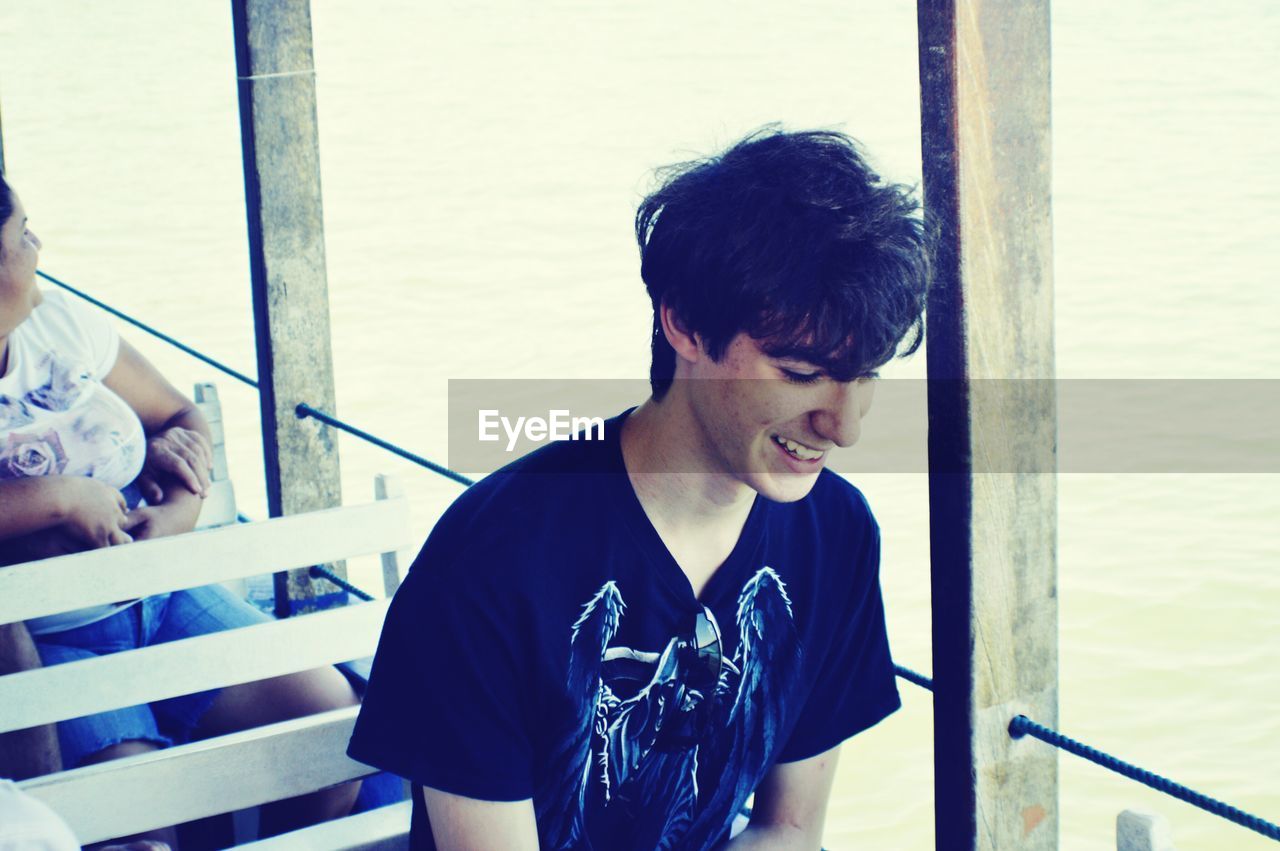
(93, 512)
(179, 446)
(468, 824)
(790, 806)
(34, 751)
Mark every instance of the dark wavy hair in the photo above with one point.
(792, 238)
(6, 204)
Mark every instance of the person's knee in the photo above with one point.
(277, 699)
(309, 692)
(17, 649)
(317, 690)
(132, 747)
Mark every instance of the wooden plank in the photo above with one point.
(281, 154)
(1142, 830)
(203, 778)
(1, 145)
(383, 829)
(206, 399)
(184, 667)
(219, 506)
(200, 558)
(984, 71)
(388, 487)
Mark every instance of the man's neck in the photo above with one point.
(697, 510)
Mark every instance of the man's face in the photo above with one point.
(771, 422)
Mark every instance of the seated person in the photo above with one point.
(97, 449)
(616, 640)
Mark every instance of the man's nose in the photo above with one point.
(840, 419)
(35, 239)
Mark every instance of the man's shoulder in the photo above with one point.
(541, 498)
(534, 481)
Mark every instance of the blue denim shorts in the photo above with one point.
(153, 620)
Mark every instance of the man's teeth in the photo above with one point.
(804, 453)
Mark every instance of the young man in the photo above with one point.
(612, 644)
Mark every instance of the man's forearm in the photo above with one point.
(776, 837)
(33, 751)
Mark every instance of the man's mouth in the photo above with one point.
(798, 450)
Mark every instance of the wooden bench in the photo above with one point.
(226, 773)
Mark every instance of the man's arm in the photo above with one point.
(790, 806)
(468, 824)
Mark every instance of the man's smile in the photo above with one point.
(798, 450)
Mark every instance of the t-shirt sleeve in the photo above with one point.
(446, 703)
(84, 329)
(857, 687)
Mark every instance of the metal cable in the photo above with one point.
(328, 575)
(239, 376)
(305, 410)
(1018, 727)
(1024, 726)
(912, 677)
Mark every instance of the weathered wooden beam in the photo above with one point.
(1, 144)
(281, 152)
(1143, 830)
(203, 778)
(984, 73)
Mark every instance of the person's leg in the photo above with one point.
(132, 747)
(240, 707)
(279, 699)
(33, 751)
(117, 733)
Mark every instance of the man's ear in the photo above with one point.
(680, 338)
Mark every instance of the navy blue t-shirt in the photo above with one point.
(545, 644)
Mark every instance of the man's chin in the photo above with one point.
(787, 487)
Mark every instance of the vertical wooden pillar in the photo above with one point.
(984, 73)
(281, 151)
(2, 169)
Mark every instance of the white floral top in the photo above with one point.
(56, 415)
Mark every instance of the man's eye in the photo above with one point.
(800, 377)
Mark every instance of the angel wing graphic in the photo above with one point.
(610, 759)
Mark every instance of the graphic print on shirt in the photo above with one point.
(612, 771)
(69, 425)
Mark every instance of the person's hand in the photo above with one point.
(180, 453)
(47, 543)
(96, 513)
(157, 521)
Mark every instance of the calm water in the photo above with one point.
(482, 162)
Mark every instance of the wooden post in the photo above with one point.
(388, 487)
(1142, 830)
(984, 74)
(1, 144)
(286, 250)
